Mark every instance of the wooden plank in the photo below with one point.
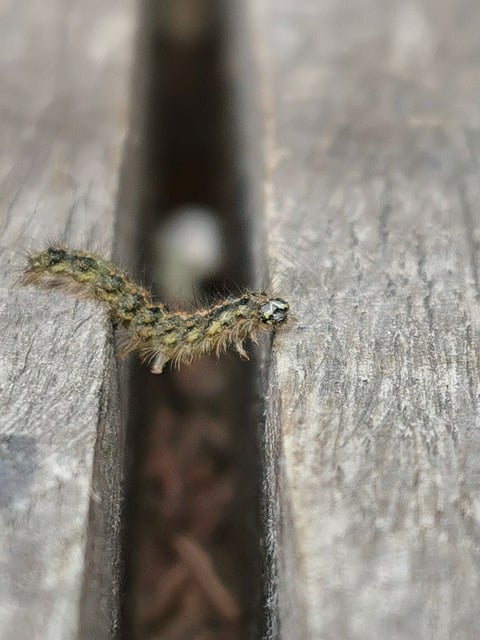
(370, 130)
(65, 72)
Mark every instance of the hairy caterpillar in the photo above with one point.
(158, 334)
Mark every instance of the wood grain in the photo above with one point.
(370, 116)
(65, 72)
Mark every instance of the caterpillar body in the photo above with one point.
(157, 333)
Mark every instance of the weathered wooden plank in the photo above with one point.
(371, 114)
(65, 71)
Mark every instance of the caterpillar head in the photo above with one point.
(274, 311)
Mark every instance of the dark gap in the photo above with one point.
(191, 551)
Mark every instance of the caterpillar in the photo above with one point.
(158, 334)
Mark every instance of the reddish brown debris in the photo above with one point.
(185, 573)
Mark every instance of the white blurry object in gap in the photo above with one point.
(190, 249)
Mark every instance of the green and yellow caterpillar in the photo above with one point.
(158, 334)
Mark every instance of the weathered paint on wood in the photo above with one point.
(370, 169)
(65, 71)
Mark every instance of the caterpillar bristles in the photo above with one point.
(159, 335)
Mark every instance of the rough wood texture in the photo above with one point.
(371, 114)
(65, 72)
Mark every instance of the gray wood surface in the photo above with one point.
(370, 115)
(65, 73)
